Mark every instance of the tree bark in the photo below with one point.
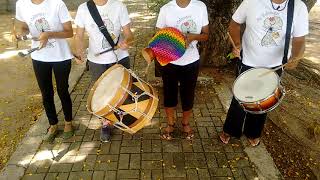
(214, 51)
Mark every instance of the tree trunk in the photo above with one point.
(214, 51)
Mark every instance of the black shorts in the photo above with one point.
(186, 76)
(96, 70)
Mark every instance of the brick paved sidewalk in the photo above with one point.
(143, 155)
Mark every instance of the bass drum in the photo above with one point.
(123, 98)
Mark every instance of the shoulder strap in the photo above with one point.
(97, 18)
(288, 31)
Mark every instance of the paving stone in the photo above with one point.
(98, 175)
(122, 174)
(249, 173)
(34, 176)
(130, 143)
(192, 174)
(156, 174)
(102, 166)
(110, 175)
(151, 156)
(135, 149)
(146, 146)
(221, 159)
(238, 174)
(51, 176)
(78, 166)
(80, 175)
(124, 161)
(203, 174)
(197, 145)
(87, 151)
(148, 165)
(115, 147)
(220, 172)
(175, 173)
(104, 148)
(63, 176)
(92, 144)
(61, 168)
(156, 146)
(172, 146)
(186, 146)
(108, 158)
(135, 161)
(145, 174)
(211, 160)
(203, 132)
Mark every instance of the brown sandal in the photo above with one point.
(167, 133)
(224, 137)
(254, 142)
(189, 134)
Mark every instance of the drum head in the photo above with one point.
(107, 88)
(251, 87)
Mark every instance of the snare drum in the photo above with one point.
(123, 98)
(257, 91)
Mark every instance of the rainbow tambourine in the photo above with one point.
(167, 45)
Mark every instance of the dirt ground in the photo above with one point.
(20, 99)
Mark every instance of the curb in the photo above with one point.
(29, 145)
(259, 156)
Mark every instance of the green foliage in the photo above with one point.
(155, 5)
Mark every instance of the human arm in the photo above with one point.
(79, 46)
(234, 31)
(203, 36)
(297, 51)
(128, 37)
(67, 32)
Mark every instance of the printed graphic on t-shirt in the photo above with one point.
(187, 25)
(273, 26)
(110, 27)
(42, 25)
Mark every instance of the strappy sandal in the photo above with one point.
(224, 137)
(254, 142)
(50, 136)
(188, 134)
(167, 134)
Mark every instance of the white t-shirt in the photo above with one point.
(190, 19)
(115, 15)
(264, 37)
(47, 16)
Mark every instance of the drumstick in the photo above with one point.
(272, 70)
(111, 49)
(21, 54)
(231, 40)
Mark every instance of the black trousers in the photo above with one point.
(239, 121)
(187, 76)
(96, 70)
(43, 72)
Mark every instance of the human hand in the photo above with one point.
(292, 63)
(189, 38)
(43, 38)
(236, 52)
(79, 57)
(123, 45)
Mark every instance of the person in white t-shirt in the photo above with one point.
(191, 18)
(262, 46)
(115, 17)
(49, 23)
